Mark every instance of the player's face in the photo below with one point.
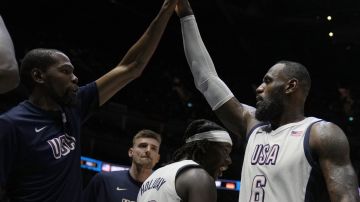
(270, 95)
(217, 159)
(60, 81)
(145, 152)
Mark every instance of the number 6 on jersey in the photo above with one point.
(257, 191)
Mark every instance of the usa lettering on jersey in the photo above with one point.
(152, 184)
(62, 145)
(265, 154)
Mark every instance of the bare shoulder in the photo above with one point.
(328, 139)
(195, 184)
(194, 176)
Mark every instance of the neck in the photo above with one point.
(288, 117)
(43, 101)
(139, 173)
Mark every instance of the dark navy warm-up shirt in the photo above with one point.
(117, 186)
(40, 150)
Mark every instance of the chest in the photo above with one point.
(45, 142)
(276, 150)
(124, 189)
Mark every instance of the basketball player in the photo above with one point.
(288, 157)
(124, 185)
(39, 138)
(9, 73)
(191, 177)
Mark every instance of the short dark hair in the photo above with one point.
(197, 149)
(298, 71)
(37, 58)
(146, 133)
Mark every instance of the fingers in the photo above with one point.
(169, 4)
(183, 8)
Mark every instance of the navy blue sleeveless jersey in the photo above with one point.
(117, 186)
(40, 150)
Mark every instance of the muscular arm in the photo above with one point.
(237, 117)
(138, 56)
(331, 145)
(196, 185)
(9, 73)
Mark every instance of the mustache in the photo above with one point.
(259, 98)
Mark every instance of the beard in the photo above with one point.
(270, 108)
(68, 99)
(144, 162)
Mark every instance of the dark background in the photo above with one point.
(244, 38)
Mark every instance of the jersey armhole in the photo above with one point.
(252, 130)
(182, 169)
(310, 155)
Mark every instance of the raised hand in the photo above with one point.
(183, 8)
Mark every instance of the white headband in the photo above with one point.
(214, 136)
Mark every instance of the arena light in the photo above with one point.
(90, 164)
(230, 185)
(218, 183)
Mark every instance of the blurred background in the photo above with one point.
(244, 38)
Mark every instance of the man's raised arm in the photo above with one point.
(138, 56)
(236, 117)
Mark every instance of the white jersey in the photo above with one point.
(160, 185)
(279, 167)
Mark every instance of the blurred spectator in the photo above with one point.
(345, 110)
